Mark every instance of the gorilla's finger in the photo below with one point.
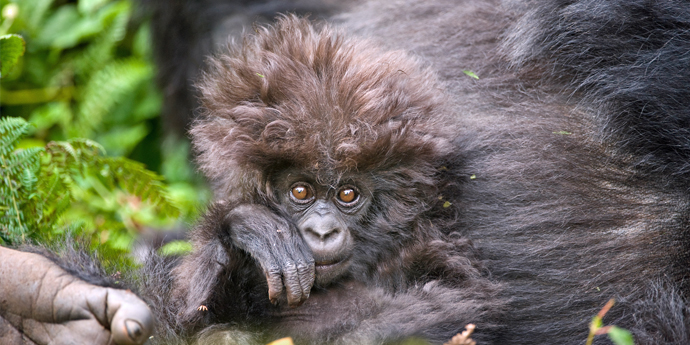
(292, 284)
(306, 273)
(131, 320)
(306, 268)
(274, 278)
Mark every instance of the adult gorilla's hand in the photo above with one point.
(40, 303)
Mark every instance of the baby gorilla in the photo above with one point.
(328, 157)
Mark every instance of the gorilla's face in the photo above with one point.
(327, 216)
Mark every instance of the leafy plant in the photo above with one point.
(11, 48)
(70, 184)
(618, 336)
(18, 170)
(86, 73)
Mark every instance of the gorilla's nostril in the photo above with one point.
(330, 234)
(322, 234)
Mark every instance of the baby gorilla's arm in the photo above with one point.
(40, 303)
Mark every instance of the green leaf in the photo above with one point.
(620, 336)
(29, 178)
(11, 48)
(107, 88)
(136, 180)
(121, 140)
(65, 28)
(22, 159)
(11, 129)
(176, 248)
(141, 45)
(50, 114)
(90, 6)
(18, 170)
(34, 11)
(470, 74)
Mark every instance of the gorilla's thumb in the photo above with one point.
(131, 321)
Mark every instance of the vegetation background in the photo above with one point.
(82, 153)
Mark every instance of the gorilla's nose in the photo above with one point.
(324, 234)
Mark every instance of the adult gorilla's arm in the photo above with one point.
(40, 303)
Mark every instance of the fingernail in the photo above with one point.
(134, 329)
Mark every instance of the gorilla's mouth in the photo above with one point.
(329, 263)
(328, 270)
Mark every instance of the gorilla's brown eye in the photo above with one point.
(301, 192)
(347, 195)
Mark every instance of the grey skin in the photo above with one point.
(40, 303)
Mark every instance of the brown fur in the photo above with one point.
(312, 98)
(575, 132)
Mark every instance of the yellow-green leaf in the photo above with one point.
(470, 74)
(11, 48)
(620, 336)
(176, 248)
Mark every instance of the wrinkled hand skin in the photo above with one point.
(276, 245)
(40, 303)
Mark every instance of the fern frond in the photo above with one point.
(63, 147)
(107, 88)
(137, 180)
(29, 180)
(76, 149)
(18, 171)
(100, 51)
(87, 145)
(118, 27)
(19, 160)
(11, 129)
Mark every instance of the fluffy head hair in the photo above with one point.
(306, 97)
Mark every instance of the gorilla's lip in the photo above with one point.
(327, 271)
(324, 264)
(328, 263)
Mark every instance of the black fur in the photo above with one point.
(76, 260)
(564, 217)
(629, 61)
(521, 201)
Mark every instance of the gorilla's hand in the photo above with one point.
(279, 249)
(41, 303)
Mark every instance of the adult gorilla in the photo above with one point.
(372, 201)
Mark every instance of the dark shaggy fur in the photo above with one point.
(562, 216)
(630, 61)
(315, 100)
(521, 201)
(297, 98)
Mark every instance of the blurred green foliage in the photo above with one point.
(11, 48)
(47, 190)
(87, 73)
